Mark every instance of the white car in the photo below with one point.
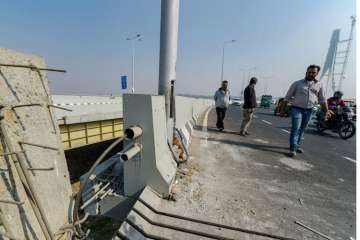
(236, 102)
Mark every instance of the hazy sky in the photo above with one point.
(87, 38)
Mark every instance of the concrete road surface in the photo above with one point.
(249, 182)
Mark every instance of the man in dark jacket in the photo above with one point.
(249, 106)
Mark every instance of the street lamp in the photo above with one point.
(249, 71)
(265, 80)
(137, 37)
(223, 57)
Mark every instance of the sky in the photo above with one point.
(277, 38)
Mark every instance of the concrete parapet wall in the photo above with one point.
(187, 112)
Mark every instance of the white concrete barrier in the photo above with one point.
(187, 112)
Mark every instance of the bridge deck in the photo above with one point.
(249, 182)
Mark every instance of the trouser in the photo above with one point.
(247, 117)
(300, 118)
(220, 112)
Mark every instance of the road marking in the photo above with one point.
(255, 116)
(349, 159)
(267, 122)
(285, 131)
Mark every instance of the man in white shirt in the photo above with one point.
(222, 99)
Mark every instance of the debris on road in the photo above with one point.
(313, 230)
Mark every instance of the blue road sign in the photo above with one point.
(124, 82)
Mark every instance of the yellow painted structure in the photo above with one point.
(80, 134)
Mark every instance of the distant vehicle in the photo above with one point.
(278, 106)
(266, 101)
(236, 101)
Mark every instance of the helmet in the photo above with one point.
(338, 94)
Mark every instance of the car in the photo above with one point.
(236, 101)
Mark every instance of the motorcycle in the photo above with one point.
(340, 121)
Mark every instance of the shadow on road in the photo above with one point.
(261, 147)
(212, 129)
(265, 113)
(322, 134)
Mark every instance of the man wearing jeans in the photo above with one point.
(222, 99)
(306, 93)
(249, 106)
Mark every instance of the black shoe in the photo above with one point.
(220, 129)
(242, 134)
(292, 154)
(247, 133)
(300, 150)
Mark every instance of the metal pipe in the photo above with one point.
(41, 169)
(38, 145)
(132, 39)
(129, 154)
(10, 153)
(106, 193)
(168, 48)
(94, 196)
(172, 99)
(133, 132)
(181, 229)
(313, 230)
(82, 187)
(95, 188)
(213, 224)
(11, 202)
(223, 58)
(133, 67)
(25, 105)
(32, 67)
(65, 109)
(222, 63)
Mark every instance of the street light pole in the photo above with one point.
(265, 80)
(168, 48)
(132, 39)
(133, 67)
(223, 58)
(248, 70)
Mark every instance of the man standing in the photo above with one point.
(306, 93)
(222, 99)
(249, 106)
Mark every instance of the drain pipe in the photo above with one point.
(168, 54)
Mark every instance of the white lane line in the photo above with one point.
(267, 122)
(349, 159)
(285, 131)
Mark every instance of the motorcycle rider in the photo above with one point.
(333, 103)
